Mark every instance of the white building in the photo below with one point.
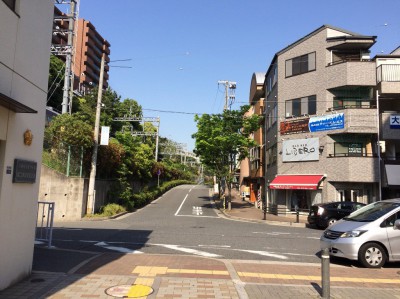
(25, 36)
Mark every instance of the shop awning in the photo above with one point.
(392, 174)
(297, 181)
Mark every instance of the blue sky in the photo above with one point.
(180, 49)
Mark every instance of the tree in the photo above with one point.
(223, 140)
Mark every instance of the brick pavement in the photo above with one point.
(174, 276)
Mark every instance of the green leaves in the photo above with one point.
(224, 139)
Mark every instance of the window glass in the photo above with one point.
(312, 105)
(303, 106)
(289, 68)
(311, 61)
(296, 107)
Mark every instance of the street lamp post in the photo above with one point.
(91, 192)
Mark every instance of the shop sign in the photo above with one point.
(395, 121)
(300, 150)
(24, 171)
(326, 122)
(294, 126)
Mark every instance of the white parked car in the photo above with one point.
(370, 235)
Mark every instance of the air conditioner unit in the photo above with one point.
(365, 55)
(288, 114)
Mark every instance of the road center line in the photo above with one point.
(180, 207)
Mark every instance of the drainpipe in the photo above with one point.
(379, 147)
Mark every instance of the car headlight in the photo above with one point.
(353, 234)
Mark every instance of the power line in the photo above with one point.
(176, 112)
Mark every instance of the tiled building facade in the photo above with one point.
(327, 107)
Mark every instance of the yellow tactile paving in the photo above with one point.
(154, 271)
(306, 277)
(144, 281)
(149, 271)
(139, 291)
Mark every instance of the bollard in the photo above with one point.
(297, 215)
(325, 273)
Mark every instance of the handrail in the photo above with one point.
(44, 223)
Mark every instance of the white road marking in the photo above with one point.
(197, 211)
(180, 207)
(273, 233)
(264, 253)
(119, 249)
(188, 250)
(215, 246)
(197, 216)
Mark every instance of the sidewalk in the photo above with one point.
(116, 275)
(246, 211)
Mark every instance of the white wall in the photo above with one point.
(25, 38)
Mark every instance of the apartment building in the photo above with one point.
(328, 107)
(251, 177)
(89, 47)
(24, 67)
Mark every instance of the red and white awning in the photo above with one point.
(297, 181)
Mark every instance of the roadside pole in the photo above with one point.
(325, 274)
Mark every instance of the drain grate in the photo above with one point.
(129, 291)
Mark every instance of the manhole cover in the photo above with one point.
(129, 291)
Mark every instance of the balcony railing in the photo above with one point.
(388, 73)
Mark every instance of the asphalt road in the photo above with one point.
(184, 221)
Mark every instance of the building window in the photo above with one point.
(271, 155)
(349, 149)
(272, 117)
(361, 97)
(300, 65)
(301, 106)
(10, 3)
(254, 158)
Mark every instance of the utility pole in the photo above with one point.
(68, 51)
(143, 119)
(230, 88)
(91, 194)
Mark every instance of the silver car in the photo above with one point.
(370, 234)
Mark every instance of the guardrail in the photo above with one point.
(44, 223)
(275, 210)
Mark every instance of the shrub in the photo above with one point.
(111, 209)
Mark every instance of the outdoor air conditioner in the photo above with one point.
(365, 55)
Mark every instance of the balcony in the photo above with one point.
(360, 120)
(388, 78)
(351, 73)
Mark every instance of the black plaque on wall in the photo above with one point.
(24, 171)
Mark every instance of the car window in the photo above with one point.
(346, 206)
(373, 211)
(358, 206)
(389, 222)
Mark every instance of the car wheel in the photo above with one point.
(331, 221)
(372, 255)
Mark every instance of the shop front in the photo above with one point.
(288, 193)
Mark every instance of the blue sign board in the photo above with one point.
(326, 122)
(395, 121)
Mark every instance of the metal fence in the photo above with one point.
(64, 158)
(44, 223)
